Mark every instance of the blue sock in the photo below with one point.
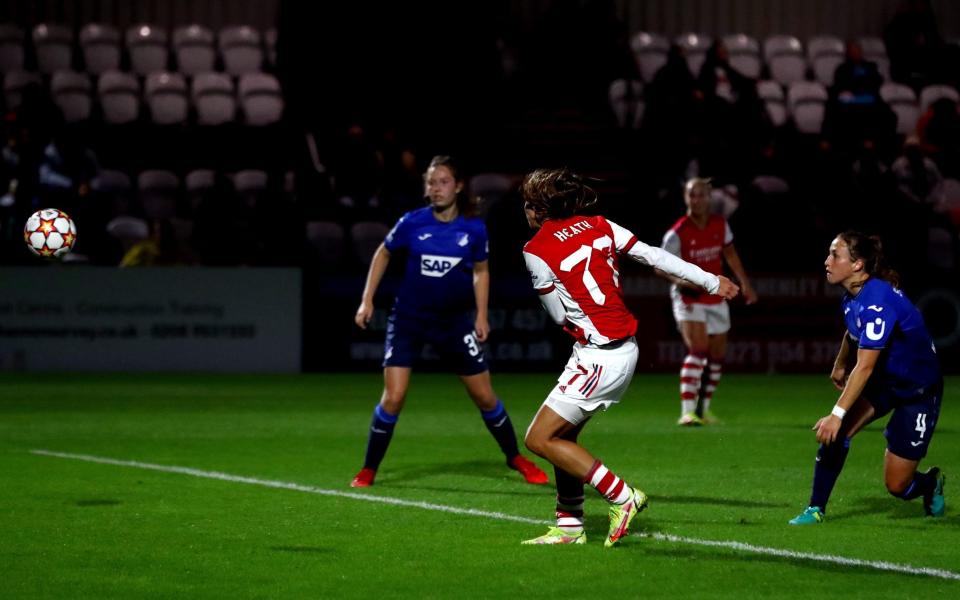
(381, 431)
(922, 485)
(498, 423)
(830, 461)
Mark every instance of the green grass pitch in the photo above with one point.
(77, 529)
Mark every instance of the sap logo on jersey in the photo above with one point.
(437, 266)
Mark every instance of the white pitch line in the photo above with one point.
(284, 485)
(732, 545)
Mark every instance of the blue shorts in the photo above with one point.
(913, 421)
(452, 338)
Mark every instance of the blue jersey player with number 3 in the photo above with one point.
(896, 372)
(446, 279)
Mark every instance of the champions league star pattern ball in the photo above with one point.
(49, 232)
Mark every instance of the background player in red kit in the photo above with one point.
(573, 261)
(704, 239)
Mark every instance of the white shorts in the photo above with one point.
(716, 316)
(593, 380)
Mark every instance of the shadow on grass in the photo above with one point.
(906, 513)
(480, 470)
(706, 500)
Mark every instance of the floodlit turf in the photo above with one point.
(77, 529)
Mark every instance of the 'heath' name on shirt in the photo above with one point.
(568, 232)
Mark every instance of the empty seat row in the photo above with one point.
(330, 240)
(195, 48)
(168, 96)
(784, 55)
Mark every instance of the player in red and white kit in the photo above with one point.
(703, 319)
(573, 261)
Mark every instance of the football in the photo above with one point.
(49, 232)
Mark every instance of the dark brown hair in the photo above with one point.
(869, 249)
(466, 205)
(556, 193)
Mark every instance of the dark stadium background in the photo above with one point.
(506, 86)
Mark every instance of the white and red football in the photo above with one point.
(50, 232)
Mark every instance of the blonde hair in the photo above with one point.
(695, 182)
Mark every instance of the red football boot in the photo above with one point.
(365, 478)
(531, 472)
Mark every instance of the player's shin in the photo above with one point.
(501, 428)
(827, 469)
(381, 432)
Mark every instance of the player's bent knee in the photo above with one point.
(391, 403)
(897, 487)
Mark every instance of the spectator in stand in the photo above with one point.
(358, 176)
(914, 45)
(916, 174)
(735, 121)
(66, 170)
(856, 115)
(938, 132)
(673, 116)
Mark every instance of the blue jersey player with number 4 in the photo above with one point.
(896, 372)
(446, 279)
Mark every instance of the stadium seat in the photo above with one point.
(744, 52)
(109, 181)
(327, 239)
(770, 185)
(932, 93)
(250, 181)
(71, 92)
(626, 102)
(198, 184)
(119, 96)
(128, 230)
(100, 45)
(806, 101)
(825, 53)
(771, 93)
(903, 102)
(941, 248)
(166, 95)
(241, 49)
(367, 237)
(148, 49)
(875, 51)
(695, 46)
(11, 48)
(650, 53)
(158, 193)
(200, 180)
(260, 98)
(784, 57)
(54, 47)
(13, 84)
(214, 98)
(947, 194)
(489, 188)
(270, 37)
(193, 48)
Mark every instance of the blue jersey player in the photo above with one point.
(896, 372)
(446, 279)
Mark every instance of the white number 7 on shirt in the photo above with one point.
(583, 254)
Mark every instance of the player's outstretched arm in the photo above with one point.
(378, 266)
(728, 290)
